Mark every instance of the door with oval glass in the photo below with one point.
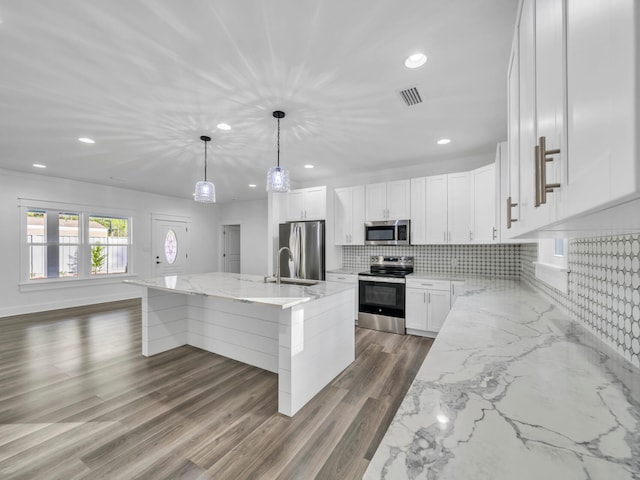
(169, 246)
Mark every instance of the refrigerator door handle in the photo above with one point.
(302, 271)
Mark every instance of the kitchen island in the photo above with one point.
(512, 388)
(305, 334)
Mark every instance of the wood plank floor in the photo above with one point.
(78, 400)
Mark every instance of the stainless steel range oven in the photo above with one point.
(382, 294)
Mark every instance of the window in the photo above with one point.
(109, 240)
(72, 243)
(552, 264)
(53, 239)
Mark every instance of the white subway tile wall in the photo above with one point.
(604, 288)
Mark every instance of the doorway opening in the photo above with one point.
(231, 261)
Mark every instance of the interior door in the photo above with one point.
(231, 253)
(169, 247)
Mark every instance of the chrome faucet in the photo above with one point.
(278, 262)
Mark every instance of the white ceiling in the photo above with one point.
(146, 78)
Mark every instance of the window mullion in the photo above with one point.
(84, 249)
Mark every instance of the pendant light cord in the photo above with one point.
(205, 160)
(278, 143)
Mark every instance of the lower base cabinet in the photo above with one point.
(427, 305)
(346, 278)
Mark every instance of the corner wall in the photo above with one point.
(16, 185)
(604, 288)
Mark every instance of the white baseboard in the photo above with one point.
(65, 303)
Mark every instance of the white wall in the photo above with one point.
(252, 218)
(14, 186)
(433, 166)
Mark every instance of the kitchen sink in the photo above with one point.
(292, 281)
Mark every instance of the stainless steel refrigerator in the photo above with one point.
(306, 241)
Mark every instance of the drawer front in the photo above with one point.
(341, 278)
(428, 284)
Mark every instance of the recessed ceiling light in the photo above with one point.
(308, 165)
(86, 140)
(416, 60)
(39, 165)
(224, 126)
(444, 141)
(252, 185)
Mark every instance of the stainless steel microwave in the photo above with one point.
(388, 232)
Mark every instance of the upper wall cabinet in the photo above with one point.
(388, 201)
(307, 204)
(348, 206)
(455, 208)
(536, 116)
(602, 103)
(458, 208)
(483, 204)
(573, 143)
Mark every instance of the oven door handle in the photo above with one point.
(381, 279)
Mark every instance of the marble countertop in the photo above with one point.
(512, 388)
(242, 288)
(436, 276)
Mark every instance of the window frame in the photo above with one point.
(84, 275)
(551, 268)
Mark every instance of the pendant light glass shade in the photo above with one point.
(205, 191)
(278, 177)
(278, 180)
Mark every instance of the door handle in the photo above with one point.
(545, 187)
(494, 233)
(510, 205)
(424, 297)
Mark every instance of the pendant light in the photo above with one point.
(278, 177)
(205, 191)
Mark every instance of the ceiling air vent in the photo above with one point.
(411, 96)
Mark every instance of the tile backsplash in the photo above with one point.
(604, 288)
(501, 260)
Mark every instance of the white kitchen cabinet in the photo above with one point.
(456, 290)
(388, 201)
(427, 305)
(458, 208)
(418, 211)
(416, 309)
(536, 110)
(602, 104)
(483, 204)
(584, 118)
(349, 215)
(346, 278)
(307, 204)
(399, 200)
(436, 209)
(510, 195)
(441, 209)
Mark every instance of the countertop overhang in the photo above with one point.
(241, 288)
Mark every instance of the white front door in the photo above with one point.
(231, 254)
(169, 246)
